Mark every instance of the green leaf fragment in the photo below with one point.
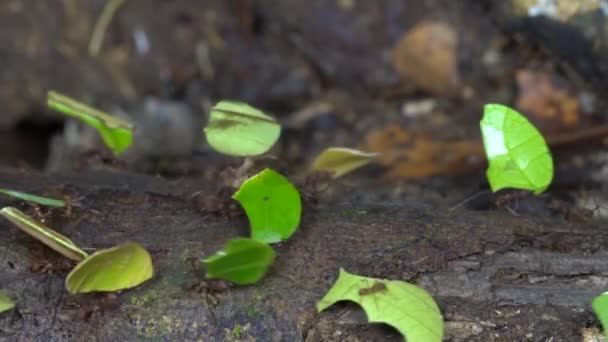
(272, 204)
(49, 202)
(517, 153)
(116, 133)
(238, 129)
(49, 237)
(242, 261)
(340, 160)
(5, 302)
(600, 307)
(117, 268)
(407, 308)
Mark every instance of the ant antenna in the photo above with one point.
(467, 200)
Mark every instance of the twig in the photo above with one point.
(587, 134)
(101, 26)
(467, 200)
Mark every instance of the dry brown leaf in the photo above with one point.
(427, 56)
(414, 156)
(557, 9)
(547, 101)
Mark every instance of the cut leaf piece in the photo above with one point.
(272, 204)
(517, 153)
(600, 307)
(407, 308)
(49, 202)
(5, 302)
(238, 129)
(44, 234)
(242, 261)
(341, 160)
(116, 133)
(117, 268)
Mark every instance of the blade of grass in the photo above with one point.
(49, 202)
(102, 24)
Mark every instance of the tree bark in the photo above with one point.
(495, 276)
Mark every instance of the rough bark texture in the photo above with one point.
(495, 276)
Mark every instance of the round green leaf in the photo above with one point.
(272, 204)
(5, 302)
(517, 153)
(111, 269)
(243, 261)
(406, 307)
(238, 129)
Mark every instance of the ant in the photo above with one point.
(42, 215)
(219, 203)
(571, 213)
(207, 286)
(44, 261)
(101, 155)
(314, 185)
(508, 198)
(96, 305)
(377, 287)
(38, 213)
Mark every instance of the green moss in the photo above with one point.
(352, 212)
(252, 311)
(151, 323)
(161, 327)
(257, 295)
(238, 333)
(145, 299)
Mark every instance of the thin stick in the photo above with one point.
(582, 135)
(512, 211)
(102, 24)
(467, 200)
